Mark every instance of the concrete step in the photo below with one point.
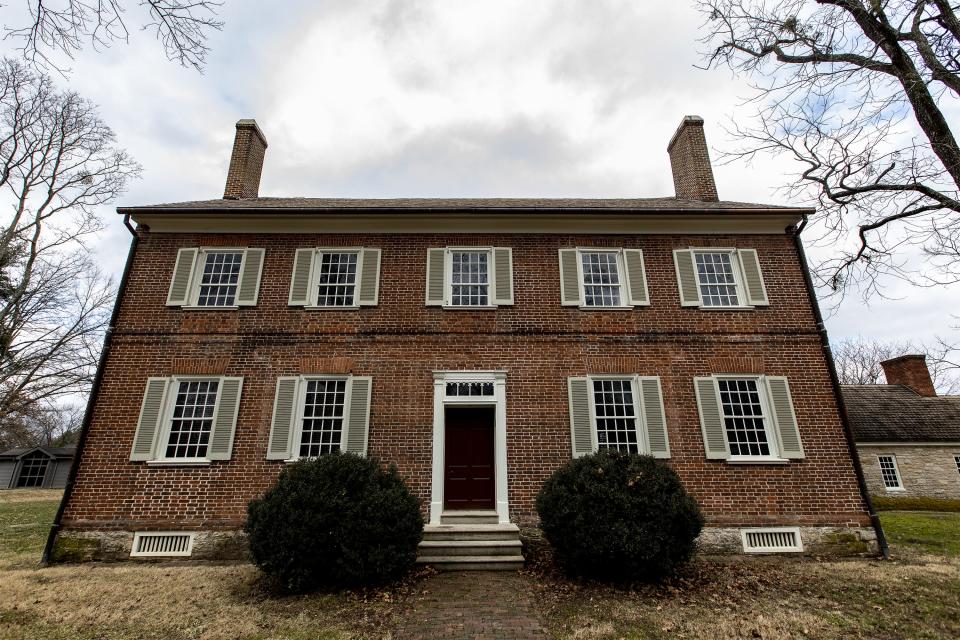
(473, 563)
(435, 548)
(469, 517)
(507, 531)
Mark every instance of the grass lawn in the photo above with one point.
(928, 532)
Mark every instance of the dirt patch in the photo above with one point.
(12, 496)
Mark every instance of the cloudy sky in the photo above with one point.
(394, 98)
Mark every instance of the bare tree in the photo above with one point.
(856, 91)
(858, 361)
(58, 164)
(66, 26)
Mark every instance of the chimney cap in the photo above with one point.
(250, 123)
(688, 121)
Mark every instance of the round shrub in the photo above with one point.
(619, 517)
(339, 520)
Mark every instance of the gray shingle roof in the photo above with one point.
(459, 204)
(894, 413)
(56, 452)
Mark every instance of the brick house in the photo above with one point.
(478, 344)
(908, 436)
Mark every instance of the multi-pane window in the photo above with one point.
(192, 419)
(218, 282)
(469, 389)
(601, 279)
(715, 276)
(322, 425)
(33, 469)
(615, 413)
(956, 461)
(889, 472)
(337, 279)
(470, 278)
(743, 417)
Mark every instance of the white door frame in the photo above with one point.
(497, 400)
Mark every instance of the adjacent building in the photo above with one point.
(35, 467)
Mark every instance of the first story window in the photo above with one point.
(219, 278)
(33, 469)
(744, 418)
(889, 472)
(321, 426)
(337, 279)
(469, 389)
(615, 415)
(469, 278)
(956, 461)
(191, 419)
(717, 279)
(602, 283)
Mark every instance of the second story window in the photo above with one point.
(218, 282)
(720, 278)
(718, 284)
(469, 278)
(215, 278)
(601, 278)
(337, 280)
(598, 279)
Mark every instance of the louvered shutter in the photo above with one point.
(179, 293)
(581, 426)
(368, 290)
(225, 419)
(784, 417)
(148, 424)
(752, 277)
(249, 287)
(687, 278)
(711, 419)
(357, 423)
(280, 444)
(654, 417)
(435, 268)
(303, 260)
(503, 275)
(569, 278)
(636, 277)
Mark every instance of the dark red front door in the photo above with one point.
(468, 474)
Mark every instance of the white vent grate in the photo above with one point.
(162, 544)
(781, 540)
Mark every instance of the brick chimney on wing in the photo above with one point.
(910, 371)
(690, 161)
(246, 161)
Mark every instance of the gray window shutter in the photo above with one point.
(357, 424)
(654, 417)
(711, 419)
(280, 444)
(581, 426)
(569, 278)
(436, 259)
(368, 290)
(687, 278)
(784, 417)
(503, 275)
(636, 277)
(225, 419)
(179, 293)
(249, 287)
(148, 424)
(302, 275)
(752, 277)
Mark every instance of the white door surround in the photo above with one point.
(470, 388)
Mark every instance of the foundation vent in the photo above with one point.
(769, 540)
(166, 544)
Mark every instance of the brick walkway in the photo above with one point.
(473, 604)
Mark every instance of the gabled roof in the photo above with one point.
(401, 205)
(894, 413)
(53, 452)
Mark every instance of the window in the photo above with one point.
(337, 279)
(889, 472)
(469, 389)
(33, 469)
(718, 284)
(192, 419)
(615, 415)
(956, 461)
(321, 426)
(601, 279)
(743, 417)
(469, 278)
(218, 281)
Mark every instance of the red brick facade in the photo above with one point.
(400, 342)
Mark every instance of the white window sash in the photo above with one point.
(297, 436)
(621, 278)
(166, 424)
(735, 269)
(448, 278)
(896, 472)
(314, 285)
(769, 429)
(643, 447)
(198, 266)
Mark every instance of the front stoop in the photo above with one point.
(471, 540)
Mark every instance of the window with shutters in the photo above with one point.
(718, 283)
(321, 422)
(720, 278)
(602, 282)
(336, 278)
(215, 278)
(745, 418)
(219, 277)
(469, 278)
(890, 473)
(615, 415)
(191, 420)
(597, 279)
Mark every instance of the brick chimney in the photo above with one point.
(246, 161)
(690, 161)
(911, 371)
